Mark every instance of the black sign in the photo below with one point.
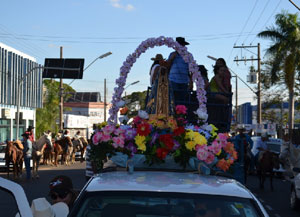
(66, 68)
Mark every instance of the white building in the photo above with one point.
(13, 66)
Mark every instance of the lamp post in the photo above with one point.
(99, 57)
(19, 89)
(133, 83)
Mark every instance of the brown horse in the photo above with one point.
(48, 154)
(63, 147)
(79, 145)
(15, 156)
(266, 164)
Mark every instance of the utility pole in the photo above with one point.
(104, 99)
(259, 75)
(236, 99)
(61, 104)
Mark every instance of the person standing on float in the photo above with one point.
(179, 76)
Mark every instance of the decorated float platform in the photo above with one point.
(161, 141)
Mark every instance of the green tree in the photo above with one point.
(135, 101)
(47, 117)
(285, 54)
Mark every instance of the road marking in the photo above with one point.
(268, 207)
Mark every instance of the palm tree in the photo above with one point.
(285, 53)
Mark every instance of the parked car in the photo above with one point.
(2, 155)
(295, 190)
(273, 144)
(161, 193)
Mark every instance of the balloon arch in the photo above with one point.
(131, 59)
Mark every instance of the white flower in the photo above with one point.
(123, 118)
(202, 115)
(142, 114)
(120, 104)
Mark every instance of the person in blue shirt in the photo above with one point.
(261, 147)
(179, 76)
(27, 153)
(243, 145)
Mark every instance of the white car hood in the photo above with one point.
(19, 195)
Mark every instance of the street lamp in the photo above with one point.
(99, 57)
(19, 89)
(133, 83)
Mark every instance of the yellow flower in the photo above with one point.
(199, 139)
(140, 141)
(189, 134)
(190, 145)
(219, 152)
(172, 123)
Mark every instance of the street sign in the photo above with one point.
(68, 68)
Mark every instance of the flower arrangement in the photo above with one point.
(158, 136)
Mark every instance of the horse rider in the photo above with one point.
(77, 137)
(66, 134)
(261, 147)
(243, 145)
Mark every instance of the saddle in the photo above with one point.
(18, 144)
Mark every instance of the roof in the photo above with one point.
(167, 182)
(84, 97)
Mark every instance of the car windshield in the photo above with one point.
(159, 204)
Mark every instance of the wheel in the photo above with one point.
(294, 201)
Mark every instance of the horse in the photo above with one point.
(63, 147)
(266, 163)
(79, 147)
(48, 154)
(37, 152)
(15, 156)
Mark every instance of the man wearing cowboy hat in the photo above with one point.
(179, 77)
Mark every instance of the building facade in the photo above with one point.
(84, 110)
(13, 66)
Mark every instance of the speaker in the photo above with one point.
(66, 68)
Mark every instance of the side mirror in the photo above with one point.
(296, 169)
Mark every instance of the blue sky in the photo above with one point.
(89, 28)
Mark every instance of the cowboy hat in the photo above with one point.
(40, 207)
(241, 127)
(182, 41)
(157, 57)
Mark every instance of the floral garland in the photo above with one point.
(117, 103)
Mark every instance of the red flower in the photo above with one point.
(143, 129)
(167, 139)
(161, 153)
(178, 131)
(180, 109)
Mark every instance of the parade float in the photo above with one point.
(161, 140)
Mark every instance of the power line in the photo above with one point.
(243, 28)
(275, 9)
(258, 19)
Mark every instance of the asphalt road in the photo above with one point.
(276, 203)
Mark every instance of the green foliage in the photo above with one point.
(47, 117)
(135, 100)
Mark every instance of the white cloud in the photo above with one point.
(117, 4)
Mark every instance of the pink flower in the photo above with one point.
(97, 137)
(105, 138)
(180, 109)
(202, 153)
(118, 142)
(210, 158)
(119, 131)
(108, 129)
(215, 147)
